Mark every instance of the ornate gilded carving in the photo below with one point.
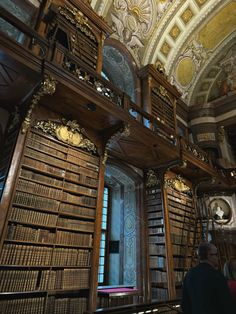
(152, 179)
(124, 131)
(78, 19)
(68, 132)
(178, 184)
(48, 87)
(163, 93)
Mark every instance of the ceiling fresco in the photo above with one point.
(195, 41)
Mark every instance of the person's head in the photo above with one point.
(207, 252)
(230, 270)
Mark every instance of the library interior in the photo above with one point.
(117, 151)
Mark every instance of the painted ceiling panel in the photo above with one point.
(219, 27)
(189, 38)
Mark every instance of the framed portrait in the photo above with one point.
(220, 211)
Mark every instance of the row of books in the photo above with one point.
(180, 195)
(179, 275)
(159, 294)
(23, 306)
(28, 255)
(53, 165)
(181, 239)
(180, 199)
(51, 170)
(32, 175)
(77, 210)
(39, 189)
(75, 224)
(71, 257)
(154, 208)
(56, 145)
(40, 146)
(74, 238)
(22, 233)
(40, 137)
(35, 201)
(18, 280)
(156, 239)
(156, 249)
(66, 305)
(22, 215)
(82, 200)
(42, 280)
(158, 276)
(155, 230)
(186, 221)
(159, 261)
(83, 163)
(172, 207)
(42, 157)
(69, 279)
(154, 215)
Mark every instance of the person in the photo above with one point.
(205, 289)
(230, 275)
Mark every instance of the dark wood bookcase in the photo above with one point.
(172, 234)
(48, 243)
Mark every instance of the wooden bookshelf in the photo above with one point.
(159, 97)
(172, 235)
(184, 229)
(156, 243)
(48, 242)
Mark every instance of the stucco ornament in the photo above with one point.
(132, 20)
(198, 56)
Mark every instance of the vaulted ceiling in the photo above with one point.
(195, 41)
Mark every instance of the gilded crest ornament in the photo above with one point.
(178, 184)
(68, 132)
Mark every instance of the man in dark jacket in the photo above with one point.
(205, 289)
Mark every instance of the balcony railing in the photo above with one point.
(195, 151)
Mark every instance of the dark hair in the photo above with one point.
(203, 250)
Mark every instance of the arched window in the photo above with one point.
(117, 69)
(119, 246)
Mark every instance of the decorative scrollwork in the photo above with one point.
(152, 179)
(47, 87)
(78, 19)
(178, 184)
(68, 132)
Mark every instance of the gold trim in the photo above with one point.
(48, 87)
(178, 184)
(78, 19)
(163, 93)
(68, 132)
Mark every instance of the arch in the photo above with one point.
(125, 183)
(120, 68)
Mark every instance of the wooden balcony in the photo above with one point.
(84, 95)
